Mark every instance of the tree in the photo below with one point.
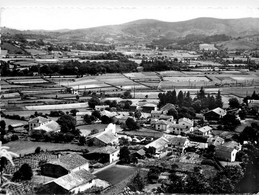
(173, 112)
(74, 111)
(87, 119)
(2, 124)
(127, 94)
(82, 140)
(197, 183)
(153, 174)
(150, 151)
(37, 150)
(67, 123)
(93, 102)
(132, 124)
(106, 120)
(233, 103)
(137, 114)
(137, 183)
(96, 114)
(94, 131)
(124, 155)
(24, 173)
(218, 101)
(180, 98)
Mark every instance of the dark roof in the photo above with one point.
(74, 179)
(105, 150)
(69, 161)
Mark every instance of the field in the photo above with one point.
(27, 147)
(57, 106)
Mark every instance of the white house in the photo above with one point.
(37, 121)
(225, 153)
(184, 125)
(162, 125)
(204, 131)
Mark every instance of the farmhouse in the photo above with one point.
(159, 144)
(72, 183)
(162, 125)
(178, 143)
(48, 126)
(35, 122)
(215, 114)
(64, 164)
(225, 153)
(155, 114)
(104, 154)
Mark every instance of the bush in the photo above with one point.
(14, 137)
(37, 150)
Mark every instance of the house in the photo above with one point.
(167, 107)
(216, 141)
(225, 153)
(108, 113)
(72, 183)
(37, 121)
(47, 127)
(155, 114)
(101, 107)
(215, 114)
(203, 131)
(183, 126)
(162, 125)
(64, 164)
(177, 143)
(104, 154)
(159, 144)
(149, 107)
(108, 136)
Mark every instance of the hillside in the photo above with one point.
(144, 31)
(147, 30)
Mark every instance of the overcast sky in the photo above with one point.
(74, 14)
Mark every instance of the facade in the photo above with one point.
(155, 114)
(159, 144)
(149, 107)
(203, 131)
(225, 153)
(48, 126)
(162, 125)
(184, 125)
(105, 154)
(178, 143)
(101, 107)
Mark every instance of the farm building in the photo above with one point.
(108, 136)
(215, 114)
(104, 154)
(225, 153)
(71, 183)
(64, 164)
(37, 121)
(48, 127)
(159, 144)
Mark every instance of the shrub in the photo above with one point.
(37, 150)
(14, 137)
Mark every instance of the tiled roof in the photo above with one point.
(218, 111)
(176, 140)
(158, 143)
(38, 119)
(167, 107)
(186, 120)
(163, 122)
(205, 129)
(105, 150)
(69, 161)
(49, 126)
(106, 137)
(223, 152)
(74, 179)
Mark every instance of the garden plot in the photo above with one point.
(171, 73)
(57, 106)
(10, 95)
(27, 81)
(244, 78)
(186, 79)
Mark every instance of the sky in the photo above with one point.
(76, 14)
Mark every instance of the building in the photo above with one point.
(184, 125)
(47, 127)
(159, 144)
(203, 131)
(149, 107)
(64, 164)
(167, 107)
(36, 122)
(80, 116)
(104, 154)
(162, 125)
(233, 145)
(155, 114)
(215, 114)
(107, 137)
(177, 143)
(72, 183)
(216, 141)
(225, 153)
